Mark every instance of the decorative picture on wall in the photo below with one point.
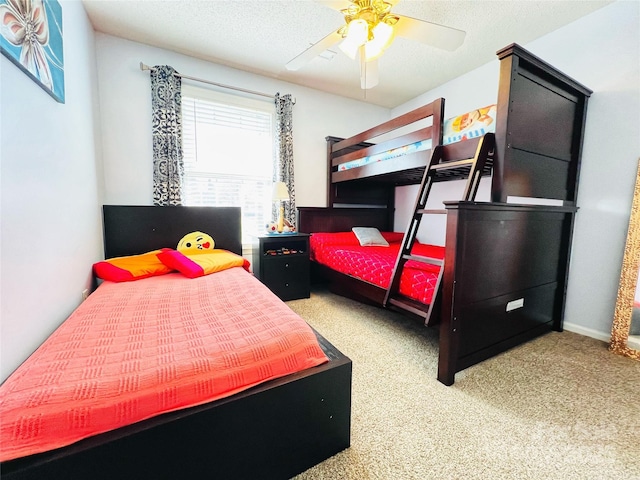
(31, 37)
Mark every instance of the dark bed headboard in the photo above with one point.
(130, 230)
(539, 129)
(316, 219)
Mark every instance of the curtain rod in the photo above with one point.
(147, 67)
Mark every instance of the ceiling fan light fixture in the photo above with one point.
(369, 28)
(356, 36)
(382, 36)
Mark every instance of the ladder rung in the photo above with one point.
(422, 259)
(456, 164)
(410, 307)
(424, 211)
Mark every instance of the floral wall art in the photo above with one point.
(31, 37)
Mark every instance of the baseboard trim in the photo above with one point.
(588, 332)
(634, 342)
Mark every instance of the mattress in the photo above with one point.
(135, 350)
(343, 253)
(388, 155)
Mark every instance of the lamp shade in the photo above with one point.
(382, 36)
(280, 192)
(357, 34)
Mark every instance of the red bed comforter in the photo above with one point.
(342, 252)
(135, 350)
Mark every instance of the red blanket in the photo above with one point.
(342, 252)
(135, 350)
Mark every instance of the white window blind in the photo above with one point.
(228, 154)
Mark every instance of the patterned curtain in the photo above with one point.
(168, 166)
(283, 167)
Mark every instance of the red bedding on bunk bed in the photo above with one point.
(343, 253)
(135, 350)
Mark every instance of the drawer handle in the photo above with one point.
(286, 265)
(286, 284)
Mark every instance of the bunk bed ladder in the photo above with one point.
(445, 159)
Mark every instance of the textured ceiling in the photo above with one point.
(262, 36)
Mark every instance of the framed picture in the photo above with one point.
(31, 37)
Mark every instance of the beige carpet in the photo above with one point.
(559, 407)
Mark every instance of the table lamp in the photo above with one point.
(280, 194)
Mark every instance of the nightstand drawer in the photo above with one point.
(287, 276)
(281, 262)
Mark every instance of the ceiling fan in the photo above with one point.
(369, 29)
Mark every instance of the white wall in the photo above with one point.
(51, 186)
(601, 51)
(125, 101)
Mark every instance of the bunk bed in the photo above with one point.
(266, 424)
(506, 261)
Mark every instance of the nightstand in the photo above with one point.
(281, 262)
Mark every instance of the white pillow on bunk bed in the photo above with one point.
(370, 236)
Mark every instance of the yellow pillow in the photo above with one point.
(198, 264)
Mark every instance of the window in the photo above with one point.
(228, 147)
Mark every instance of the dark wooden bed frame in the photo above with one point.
(506, 264)
(272, 431)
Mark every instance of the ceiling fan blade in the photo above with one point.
(313, 51)
(368, 73)
(429, 33)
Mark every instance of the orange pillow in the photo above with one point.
(132, 267)
(198, 264)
